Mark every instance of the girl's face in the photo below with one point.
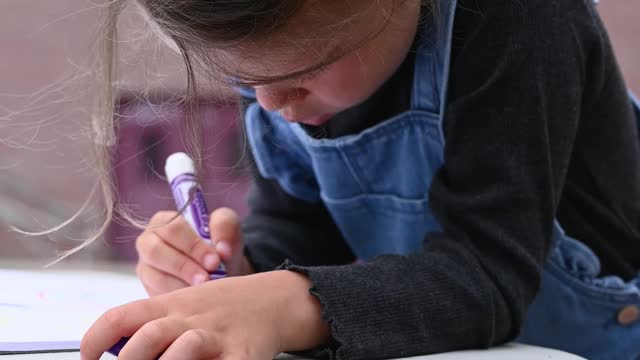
(318, 30)
(313, 98)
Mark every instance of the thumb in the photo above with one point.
(224, 225)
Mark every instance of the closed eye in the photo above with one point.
(314, 74)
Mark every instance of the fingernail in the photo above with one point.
(199, 279)
(210, 261)
(223, 248)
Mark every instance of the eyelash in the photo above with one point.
(314, 74)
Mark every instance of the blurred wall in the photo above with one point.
(45, 170)
(46, 89)
(624, 32)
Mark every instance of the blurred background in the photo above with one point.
(46, 83)
(47, 89)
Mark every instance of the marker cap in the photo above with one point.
(178, 164)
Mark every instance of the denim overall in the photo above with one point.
(375, 185)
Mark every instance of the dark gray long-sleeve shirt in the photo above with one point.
(535, 95)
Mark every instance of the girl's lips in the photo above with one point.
(316, 121)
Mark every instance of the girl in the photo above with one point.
(431, 176)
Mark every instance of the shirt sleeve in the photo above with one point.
(515, 96)
(280, 227)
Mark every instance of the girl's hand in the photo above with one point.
(172, 255)
(251, 317)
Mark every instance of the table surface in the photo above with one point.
(505, 352)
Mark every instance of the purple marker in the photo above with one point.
(180, 171)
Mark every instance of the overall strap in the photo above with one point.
(432, 60)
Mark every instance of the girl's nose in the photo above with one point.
(273, 99)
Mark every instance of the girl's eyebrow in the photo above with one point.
(334, 55)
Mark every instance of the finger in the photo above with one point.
(117, 323)
(158, 282)
(225, 232)
(181, 236)
(153, 338)
(238, 356)
(157, 253)
(194, 344)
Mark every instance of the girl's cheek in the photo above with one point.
(345, 90)
(349, 81)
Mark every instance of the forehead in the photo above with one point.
(321, 32)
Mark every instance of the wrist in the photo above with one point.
(299, 320)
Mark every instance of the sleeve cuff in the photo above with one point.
(331, 350)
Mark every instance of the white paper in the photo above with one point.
(51, 310)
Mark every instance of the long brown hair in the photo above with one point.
(198, 28)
